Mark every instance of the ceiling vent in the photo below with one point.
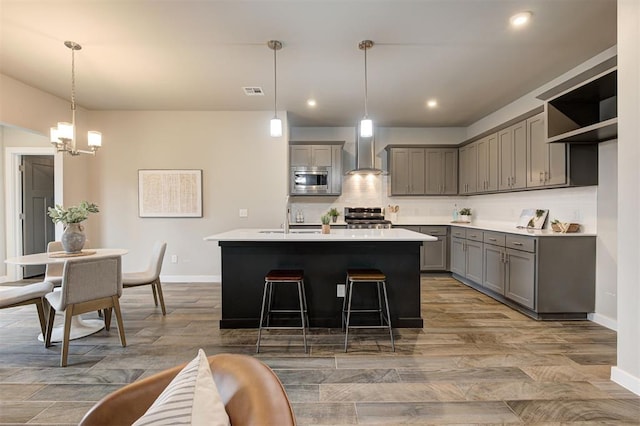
(253, 91)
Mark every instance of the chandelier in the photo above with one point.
(63, 137)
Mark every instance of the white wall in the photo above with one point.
(627, 372)
(607, 242)
(243, 167)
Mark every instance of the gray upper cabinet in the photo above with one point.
(407, 168)
(546, 163)
(512, 157)
(422, 170)
(468, 169)
(488, 163)
(311, 155)
(441, 171)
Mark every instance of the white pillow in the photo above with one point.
(190, 399)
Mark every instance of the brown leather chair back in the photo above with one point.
(250, 390)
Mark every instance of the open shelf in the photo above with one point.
(586, 113)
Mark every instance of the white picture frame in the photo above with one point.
(170, 193)
(532, 218)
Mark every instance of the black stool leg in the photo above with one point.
(386, 304)
(264, 298)
(346, 335)
(302, 314)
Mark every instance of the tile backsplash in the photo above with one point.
(565, 204)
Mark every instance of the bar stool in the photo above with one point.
(370, 276)
(274, 276)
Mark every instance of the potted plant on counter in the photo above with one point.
(465, 215)
(334, 213)
(73, 237)
(326, 223)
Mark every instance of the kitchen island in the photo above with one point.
(248, 254)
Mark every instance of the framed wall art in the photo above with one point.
(170, 193)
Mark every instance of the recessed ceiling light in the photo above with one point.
(520, 19)
(432, 103)
(311, 102)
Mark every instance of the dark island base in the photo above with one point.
(244, 265)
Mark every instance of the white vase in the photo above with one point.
(465, 218)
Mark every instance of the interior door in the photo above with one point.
(37, 197)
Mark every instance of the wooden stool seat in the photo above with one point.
(361, 277)
(366, 275)
(284, 275)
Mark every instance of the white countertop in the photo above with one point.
(496, 227)
(314, 235)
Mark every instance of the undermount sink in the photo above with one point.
(298, 231)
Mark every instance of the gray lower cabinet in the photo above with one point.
(537, 275)
(434, 255)
(520, 280)
(493, 274)
(466, 253)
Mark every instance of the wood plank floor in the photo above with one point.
(475, 362)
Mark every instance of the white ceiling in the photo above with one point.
(197, 55)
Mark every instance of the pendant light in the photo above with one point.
(63, 137)
(366, 124)
(276, 123)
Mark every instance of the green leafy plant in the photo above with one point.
(333, 212)
(72, 214)
(465, 211)
(325, 219)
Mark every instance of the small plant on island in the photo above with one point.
(465, 211)
(72, 214)
(325, 219)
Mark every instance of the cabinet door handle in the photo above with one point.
(501, 257)
(541, 177)
(474, 236)
(492, 239)
(517, 244)
(546, 176)
(513, 180)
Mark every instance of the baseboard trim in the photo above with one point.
(604, 321)
(626, 380)
(190, 278)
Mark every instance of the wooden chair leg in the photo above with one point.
(160, 295)
(52, 317)
(41, 317)
(68, 313)
(107, 319)
(116, 307)
(155, 295)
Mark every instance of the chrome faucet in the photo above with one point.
(285, 224)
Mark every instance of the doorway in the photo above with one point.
(13, 207)
(37, 196)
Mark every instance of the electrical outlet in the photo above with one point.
(244, 213)
(174, 258)
(340, 290)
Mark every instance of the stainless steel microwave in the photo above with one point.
(310, 180)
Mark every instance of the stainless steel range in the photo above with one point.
(365, 218)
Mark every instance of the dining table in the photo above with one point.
(80, 327)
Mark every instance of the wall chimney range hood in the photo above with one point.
(365, 156)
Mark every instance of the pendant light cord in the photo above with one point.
(275, 85)
(366, 115)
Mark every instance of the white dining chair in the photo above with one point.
(150, 276)
(87, 285)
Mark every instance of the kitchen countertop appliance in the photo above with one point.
(365, 218)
